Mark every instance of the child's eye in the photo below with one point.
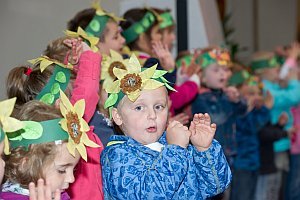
(138, 108)
(60, 171)
(159, 107)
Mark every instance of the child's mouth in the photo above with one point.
(151, 129)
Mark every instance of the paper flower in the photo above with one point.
(115, 60)
(75, 125)
(45, 61)
(8, 124)
(93, 41)
(132, 79)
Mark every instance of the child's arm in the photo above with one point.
(185, 94)
(212, 170)
(86, 85)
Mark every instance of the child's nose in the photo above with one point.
(70, 177)
(152, 114)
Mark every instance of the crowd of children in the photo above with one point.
(107, 112)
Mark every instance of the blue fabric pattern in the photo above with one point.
(133, 171)
(224, 113)
(247, 128)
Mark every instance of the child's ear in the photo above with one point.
(116, 117)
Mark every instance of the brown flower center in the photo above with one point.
(130, 83)
(73, 125)
(115, 64)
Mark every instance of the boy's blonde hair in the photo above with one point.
(26, 165)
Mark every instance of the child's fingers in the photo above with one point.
(32, 192)
(213, 127)
(40, 189)
(207, 119)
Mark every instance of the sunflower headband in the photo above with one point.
(72, 128)
(265, 63)
(187, 59)
(132, 80)
(133, 32)
(219, 56)
(98, 23)
(167, 20)
(7, 123)
(59, 79)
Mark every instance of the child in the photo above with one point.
(49, 147)
(247, 163)
(98, 23)
(86, 87)
(266, 65)
(110, 40)
(223, 105)
(149, 163)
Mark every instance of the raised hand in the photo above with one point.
(269, 100)
(162, 52)
(42, 192)
(178, 134)
(77, 48)
(233, 94)
(202, 131)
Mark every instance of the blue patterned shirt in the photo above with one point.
(134, 171)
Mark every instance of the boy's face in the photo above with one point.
(251, 93)
(215, 76)
(112, 39)
(168, 36)
(2, 163)
(59, 173)
(145, 119)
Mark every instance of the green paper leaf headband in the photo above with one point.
(219, 56)
(72, 128)
(239, 78)
(98, 23)
(133, 32)
(265, 63)
(132, 80)
(167, 20)
(59, 80)
(187, 59)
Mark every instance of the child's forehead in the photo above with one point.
(148, 96)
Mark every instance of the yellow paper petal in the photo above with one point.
(6, 146)
(89, 142)
(107, 82)
(44, 64)
(148, 73)
(152, 84)
(64, 101)
(82, 151)
(120, 73)
(63, 124)
(114, 87)
(63, 110)
(7, 107)
(11, 124)
(79, 107)
(84, 126)
(134, 64)
(71, 147)
(134, 95)
(115, 55)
